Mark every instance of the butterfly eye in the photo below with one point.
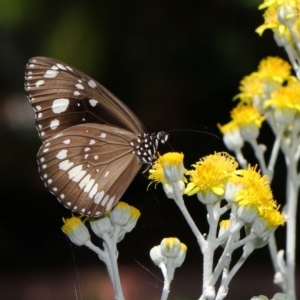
(93, 144)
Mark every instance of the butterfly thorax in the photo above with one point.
(146, 144)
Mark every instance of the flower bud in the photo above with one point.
(134, 216)
(170, 247)
(156, 256)
(77, 232)
(120, 214)
(102, 226)
(178, 261)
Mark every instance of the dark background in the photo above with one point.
(177, 64)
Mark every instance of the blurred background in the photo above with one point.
(177, 64)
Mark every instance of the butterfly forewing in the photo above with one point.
(62, 97)
(88, 167)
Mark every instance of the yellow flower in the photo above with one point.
(276, 3)
(272, 22)
(211, 173)
(287, 97)
(247, 115)
(272, 217)
(167, 168)
(256, 192)
(274, 69)
(229, 127)
(250, 86)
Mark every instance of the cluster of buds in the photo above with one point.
(168, 256)
(111, 228)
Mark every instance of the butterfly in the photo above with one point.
(93, 144)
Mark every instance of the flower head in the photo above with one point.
(271, 22)
(250, 86)
(287, 97)
(120, 214)
(75, 229)
(134, 216)
(168, 168)
(211, 174)
(231, 135)
(247, 115)
(256, 191)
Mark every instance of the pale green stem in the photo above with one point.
(180, 203)
(241, 159)
(103, 255)
(110, 246)
(292, 196)
(274, 154)
(167, 282)
(293, 57)
(259, 153)
(211, 243)
(222, 292)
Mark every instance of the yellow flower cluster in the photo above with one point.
(282, 16)
(214, 172)
(271, 86)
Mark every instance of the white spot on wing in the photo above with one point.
(76, 173)
(61, 67)
(65, 165)
(110, 203)
(55, 189)
(92, 84)
(106, 174)
(85, 181)
(44, 166)
(60, 105)
(98, 197)
(49, 181)
(67, 141)
(105, 200)
(50, 74)
(92, 142)
(93, 191)
(39, 83)
(76, 93)
(38, 107)
(79, 86)
(54, 67)
(89, 185)
(87, 149)
(39, 115)
(96, 157)
(42, 159)
(62, 196)
(62, 154)
(54, 124)
(46, 150)
(103, 135)
(93, 102)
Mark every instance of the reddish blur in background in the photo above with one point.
(177, 64)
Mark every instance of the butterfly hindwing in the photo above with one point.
(88, 167)
(62, 97)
